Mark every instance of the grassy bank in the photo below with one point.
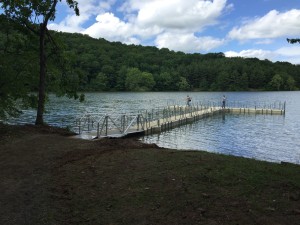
(47, 178)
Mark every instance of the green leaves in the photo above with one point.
(171, 71)
(138, 81)
(18, 70)
(33, 16)
(293, 41)
(282, 81)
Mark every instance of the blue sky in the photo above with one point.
(246, 28)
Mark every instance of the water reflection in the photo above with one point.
(223, 117)
(265, 137)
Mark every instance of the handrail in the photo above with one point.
(123, 121)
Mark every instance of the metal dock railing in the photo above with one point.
(120, 124)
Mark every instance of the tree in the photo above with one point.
(293, 40)
(183, 85)
(132, 81)
(276, 82)
(34, 16)
(138, 81)
(120, 79)
(100, 83)
(16, 80)
(163, 81)
(290, 84)
(147, 81)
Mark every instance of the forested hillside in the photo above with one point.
(99, 65)
(107, 66)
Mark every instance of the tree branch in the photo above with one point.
(50, 13)
(293, 40)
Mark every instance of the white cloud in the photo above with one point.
(187, 42)
(180, 14)
(107, 5)
(111, 28)
(287, 54)
(149, 15)
(87, 9)
(294, 60)
(71, 23)
(290, 54)
(289, 51)
(272, 25)
(171, 22)
(252, 53)
(177, 24)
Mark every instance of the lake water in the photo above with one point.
(272, 138)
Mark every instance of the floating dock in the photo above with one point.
(154, 121)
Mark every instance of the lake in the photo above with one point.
(272, 138)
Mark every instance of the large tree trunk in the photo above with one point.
(42, 90)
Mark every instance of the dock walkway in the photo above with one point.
(92, 126)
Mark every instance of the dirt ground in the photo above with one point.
(49, 177)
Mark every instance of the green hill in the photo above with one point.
(106, 66)
(100, 65)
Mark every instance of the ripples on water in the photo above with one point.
(265, 137)
(262, 137)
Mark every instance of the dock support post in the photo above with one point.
(123, 123)
(175, 111)
(106, 125)
(98, 127)
(138, 122)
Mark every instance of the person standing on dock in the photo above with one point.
(223, 102)
(188, 100)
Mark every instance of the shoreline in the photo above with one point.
(49, 178)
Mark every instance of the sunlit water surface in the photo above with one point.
(273, 138)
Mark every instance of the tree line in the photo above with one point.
(77, 62)
(113, 66)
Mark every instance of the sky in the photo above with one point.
(245, 28)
